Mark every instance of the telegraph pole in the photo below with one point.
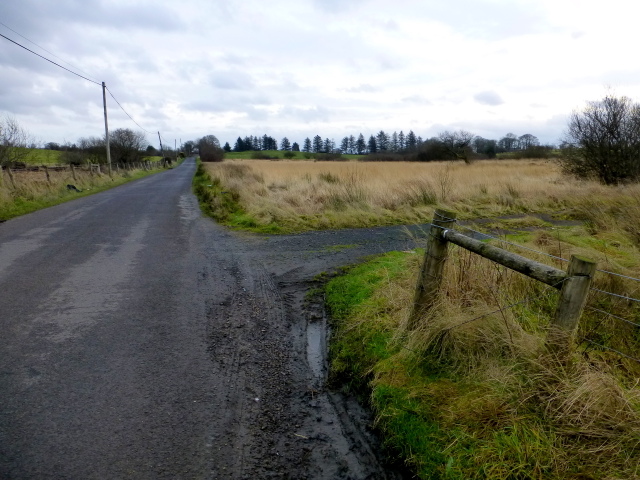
(106, 124)
(161, 151)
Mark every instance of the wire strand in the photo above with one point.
(50, 61)
(614, 316)
(112, 96)
(50, 53)
(612, 349)
(619, 275)
(502, 309)
(616, 295)
(511, 243)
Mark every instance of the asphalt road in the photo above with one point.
(141, 340)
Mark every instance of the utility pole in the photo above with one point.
(175, 149)
(161, 151)
(106, 124)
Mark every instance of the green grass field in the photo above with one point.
(40, 156)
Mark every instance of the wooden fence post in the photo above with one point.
(435, 256)
(73, 172)
(46, 171)
(13, 182)
(573, 297)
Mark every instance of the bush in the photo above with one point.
(262, 156)
(212, 154)
(289, 155)
(603, 141)
(385, 157)
(328, 156)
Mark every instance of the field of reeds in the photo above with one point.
(24, 191)
(288, 196)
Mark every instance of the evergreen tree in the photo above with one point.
(361, 145)
(373, 147)
(317, 144)
(240, 146)
(401, 141)
(394, 144)
(382, 141)
(328, 146)
(306, 145)
(352, 145)
(295, 147)
(411, 141)
(285, 144)
(227, 147)
(344, 145)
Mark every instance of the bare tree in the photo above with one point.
(603, 141)
(13, 142)
(458, 144)
(508, 143)
(126, 145)
(527, 141)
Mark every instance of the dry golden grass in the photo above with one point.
(300, 195)
(29, 190)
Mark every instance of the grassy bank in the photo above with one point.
(293, 196)
(471, 394)
(31, 191)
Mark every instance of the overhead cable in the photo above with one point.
(112, 96)
(42, 48)
(50, 61)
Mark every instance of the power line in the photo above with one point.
(42, 48)
(112, 96)
(50, 61)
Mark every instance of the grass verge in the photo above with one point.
(460, 399)
(223, 203)
(31, 191)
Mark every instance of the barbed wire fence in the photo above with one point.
(587, 339)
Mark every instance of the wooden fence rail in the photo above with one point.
(573, 284)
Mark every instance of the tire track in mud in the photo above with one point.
(267, 342)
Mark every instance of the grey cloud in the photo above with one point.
(232, 81)
(308, 115)
(488, 97)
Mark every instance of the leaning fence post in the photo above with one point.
(573, 297)
(13, 182)
(435, 255)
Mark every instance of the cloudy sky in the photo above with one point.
(301, 68)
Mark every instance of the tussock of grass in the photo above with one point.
(461, 399)
(31, 191)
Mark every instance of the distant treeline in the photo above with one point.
(448, 145)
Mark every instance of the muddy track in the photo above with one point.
(268, 342)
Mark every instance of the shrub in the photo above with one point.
(603, 141)
(257, 155)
